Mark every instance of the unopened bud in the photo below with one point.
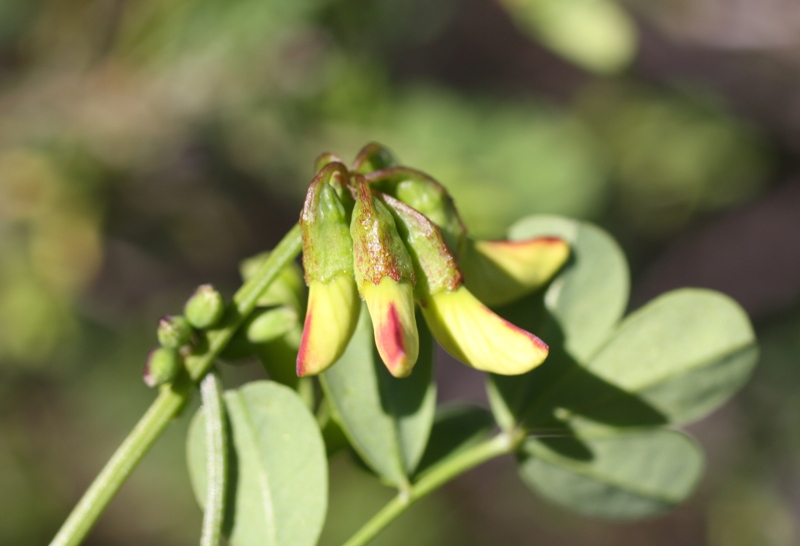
(373, 157)
(288, 289)
(385, 278)
(266, 325)
(333, 305)
(174, 331)
(162, 366)
(205, 308)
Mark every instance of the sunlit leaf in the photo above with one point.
(620, 477)
(278, 470)
(682, 355)
(574, 315)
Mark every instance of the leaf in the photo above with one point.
(456, 427)
(216, 459)
(386, 419)
(574, 315)
(277, 472)
(589, 296)
(683, 355)
(597, 35)
(620, 477)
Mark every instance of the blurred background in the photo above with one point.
(149, 146)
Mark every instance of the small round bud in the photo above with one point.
(162, 366)
(205, 308)
(174, 331)
(269, 324)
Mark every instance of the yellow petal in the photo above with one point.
(391, 306)
(477, 336)
(333, 309)
(499, 272)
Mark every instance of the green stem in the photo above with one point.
(172, 398)
(168, 403)
(431, 480)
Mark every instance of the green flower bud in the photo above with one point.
(333, 305)
(162, 366)
(427, 196)
(174, 331)
(263, 326)
(266, 325)
(205, 308)
(373, 157)
(288, 289)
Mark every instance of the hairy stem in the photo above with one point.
(431, 480)
(172, 398)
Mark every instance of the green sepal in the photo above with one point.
(373, 157)
(205, 307)
(327, 246)
(434, 264)
(378, 249)
(426, 195)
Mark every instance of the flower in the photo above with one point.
(385, 279)
(465, 327)
(406, 245)
(333, 305)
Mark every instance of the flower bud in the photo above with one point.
(205, 308)
(333, 305)
(174, 331)
(425, 195)
(324, 159)
(385, 278)
(266, 325)
(373, 157)
(288, 289)
(162, 366)
(498, 272)
(467, 329)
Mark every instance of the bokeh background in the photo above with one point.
(149, 146)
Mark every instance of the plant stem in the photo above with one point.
(431, 480)
(168, 403)
(173, 397)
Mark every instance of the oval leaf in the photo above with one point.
(682, 355)
(277, 472)
(574, 315)
(620, 477)
(597, 35)
(386, 419)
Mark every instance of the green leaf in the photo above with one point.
(597, 35)
(216, 459)
(620, 477)
(574, 315)
(387, 420)
(277, 472)
(682, 355)
(589, 296)
(455, 428)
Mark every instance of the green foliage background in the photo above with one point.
(147, 147)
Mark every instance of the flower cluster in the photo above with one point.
(391, 236)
